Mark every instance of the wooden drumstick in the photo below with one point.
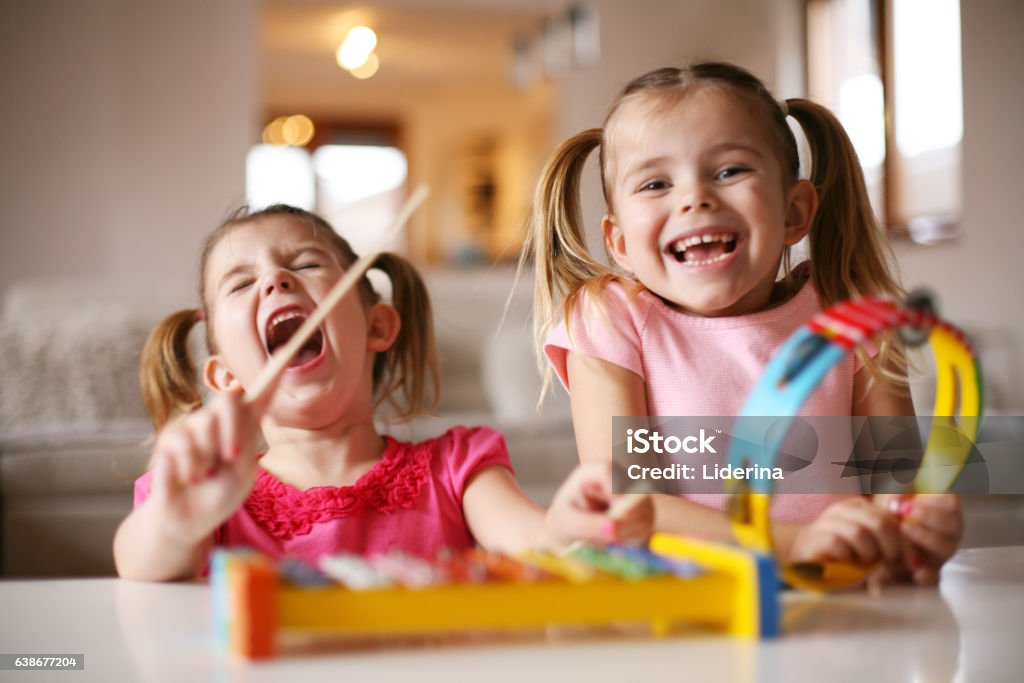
(623, 506)
(634, 496)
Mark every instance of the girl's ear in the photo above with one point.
(801, 206)
(615, 241)
(382, 327)
(217, 377)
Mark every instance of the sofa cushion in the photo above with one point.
(67, 370)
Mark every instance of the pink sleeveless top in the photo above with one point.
(695, 366)
(410, 500)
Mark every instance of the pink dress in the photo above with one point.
(410, 500)
(695, 366)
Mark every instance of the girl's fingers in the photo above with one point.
(637, 524)
(933, 525)
(175, 443)
(193, 444)
(949, 502)
(592, 497)
(590, 512)
(889, 502)
(234, 425)
(205, 434)
(819, 543)
(590, 486)
(935, 543)
(927, 575)
(591, 527)
(832, 547)
(856, 537)
(939, 513)
(576, 511)
(873, 532)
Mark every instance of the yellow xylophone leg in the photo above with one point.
(661, 628)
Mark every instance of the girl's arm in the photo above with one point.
(599, 391)
(873, 397)
(145, 549)
(502, 517)
(499, 514)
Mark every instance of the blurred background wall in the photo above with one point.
(125, 129)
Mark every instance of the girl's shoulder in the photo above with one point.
(476, 437)
(617, 290)
(459, 453)
(614, 298)
(469, 445)
(459, 438)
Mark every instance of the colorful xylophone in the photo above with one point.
(674, 581)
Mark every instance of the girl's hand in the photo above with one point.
(205, 466)
(852, 530)
(931, 526)
(630, 518)
(585, 509)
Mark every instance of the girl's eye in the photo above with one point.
(307, 266)
(653, 185)
(240, 285)
(731, 172)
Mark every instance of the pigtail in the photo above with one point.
(555, 239)
(167, 374)
(407, 375)
(849, 253)
(848, 250)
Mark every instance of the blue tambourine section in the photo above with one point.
(789, 378)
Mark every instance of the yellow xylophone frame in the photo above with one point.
(737, 594)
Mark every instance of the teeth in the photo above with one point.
(706, 261)
(680, 246)
(281, 317)
(683, 245)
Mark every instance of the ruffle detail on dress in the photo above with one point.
(393, 483)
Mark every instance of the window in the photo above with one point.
(353, 181)
(890, 70)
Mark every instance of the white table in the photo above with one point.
(969, 630)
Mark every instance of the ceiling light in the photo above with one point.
(357, 47)
(368, 69)
(297, 130)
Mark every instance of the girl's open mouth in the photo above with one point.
(703, 250)
(282, 327)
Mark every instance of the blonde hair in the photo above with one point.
(405, 376)
(848, 250)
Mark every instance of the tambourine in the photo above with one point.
(797, 369)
